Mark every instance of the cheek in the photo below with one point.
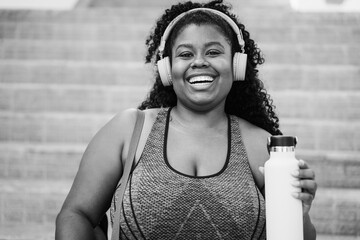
(178, 69)
(226, 68)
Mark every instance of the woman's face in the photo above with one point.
(201, 67)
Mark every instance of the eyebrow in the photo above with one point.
(188, 45)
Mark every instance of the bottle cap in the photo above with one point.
(282, 141)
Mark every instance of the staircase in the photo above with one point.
(65, 74)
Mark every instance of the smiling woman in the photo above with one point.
(196, 170)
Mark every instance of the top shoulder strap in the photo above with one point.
(140, 117)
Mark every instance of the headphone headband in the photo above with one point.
(216, 12)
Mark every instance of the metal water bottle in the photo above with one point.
(284, 216)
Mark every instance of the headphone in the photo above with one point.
(239, 60)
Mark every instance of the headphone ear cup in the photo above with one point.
(163, 66)
(239, 66)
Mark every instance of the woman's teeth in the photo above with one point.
(201, 79)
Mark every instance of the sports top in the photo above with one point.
(162, 203)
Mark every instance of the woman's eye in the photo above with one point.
(213, 52)
(185, 54)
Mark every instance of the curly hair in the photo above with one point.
(247, 99)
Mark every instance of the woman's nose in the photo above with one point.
(199, 61)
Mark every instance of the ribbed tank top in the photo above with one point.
(162, 203)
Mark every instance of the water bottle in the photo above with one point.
(284, 215)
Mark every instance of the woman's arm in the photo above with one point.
(99, 172)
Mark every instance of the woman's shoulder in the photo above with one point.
(251, 131)
(125, 121)
(152, 113)
(255, 141)
(128, 116)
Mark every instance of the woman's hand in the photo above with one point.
(306, 181)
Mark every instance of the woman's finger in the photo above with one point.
(309, 186)
(305, 197)
(303, 164)
(304, 173)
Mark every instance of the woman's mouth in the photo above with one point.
(201, 79)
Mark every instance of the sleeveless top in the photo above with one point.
(162, 203)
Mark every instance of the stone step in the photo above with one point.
(125, 3)
(275, 76)
(334, 169)
(104, 31)
(166, 3)
(334, 211)
(83, 15)
(46, 162)
(310, 77)
(341, 105)
(75, 32)
(309, 54)
(31, 201)
(95, 73)
(70, 98)
(51, 127)
(303, 34)
(69, 50)
(321, 134)
(64, 72)
(61, 161)
(336, 237)
(270, 16)
(26, 231)
(57, 127)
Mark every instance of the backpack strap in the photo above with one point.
(140, 117)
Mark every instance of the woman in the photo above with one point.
(196, 172)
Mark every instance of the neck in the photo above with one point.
(191, 119)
